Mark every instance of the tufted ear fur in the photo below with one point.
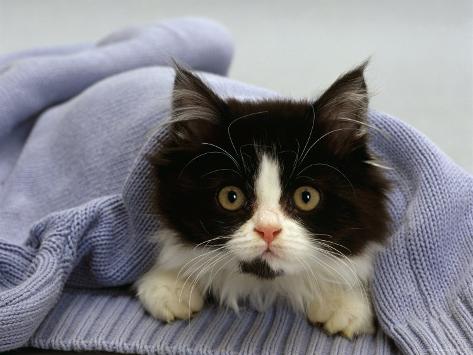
(196, 109)
(342, 111)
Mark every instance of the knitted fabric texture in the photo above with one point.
(76, 125)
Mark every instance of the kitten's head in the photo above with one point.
(275, 183)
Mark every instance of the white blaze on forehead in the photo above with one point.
(267, 184)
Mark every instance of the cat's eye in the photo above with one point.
(306, 198)
(231, 198)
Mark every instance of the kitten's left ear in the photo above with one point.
(196, 109)
(342, 110)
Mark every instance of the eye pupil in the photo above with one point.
(232, 196)
(305, 196)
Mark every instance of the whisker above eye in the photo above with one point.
(195, 158)
(219, 170)
(243, 161)
(310, 132)
(224, 151)
(304, 155)
(296, 161)
(238, 119)
(328, 166)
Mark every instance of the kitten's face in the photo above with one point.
(277, 185)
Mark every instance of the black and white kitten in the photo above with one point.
(267, 199)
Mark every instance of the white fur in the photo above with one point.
(268, 184)
(166, 297)
(329, 288)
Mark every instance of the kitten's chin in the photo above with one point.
(259, 268)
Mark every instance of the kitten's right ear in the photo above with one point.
(196, 109)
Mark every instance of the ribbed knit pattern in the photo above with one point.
(75, 217)
(113, 320)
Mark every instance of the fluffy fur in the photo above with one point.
(320, 260)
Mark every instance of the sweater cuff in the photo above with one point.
(447, 330)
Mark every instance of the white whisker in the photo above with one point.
(224, 151)
(197, 270)
(377, 164)
(208, 267)
(236, 120)
(311, 130)
(184, 267)
(195, 158)
(318, 140)
(219, 170)
(332, 167)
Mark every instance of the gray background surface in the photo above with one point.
(422, 51)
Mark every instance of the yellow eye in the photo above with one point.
(306, 198)
(231, 198)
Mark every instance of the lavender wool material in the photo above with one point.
(75, 189)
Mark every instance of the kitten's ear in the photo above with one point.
(342, 110)
(196, 109)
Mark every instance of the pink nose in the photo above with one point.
(268, 232)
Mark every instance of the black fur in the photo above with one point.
(259, 268)
(352, 207)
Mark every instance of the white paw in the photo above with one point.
(168, 298)
(347, 312)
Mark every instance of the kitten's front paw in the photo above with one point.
(168, 298)
(347, 312)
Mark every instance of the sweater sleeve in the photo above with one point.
(423, 285)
